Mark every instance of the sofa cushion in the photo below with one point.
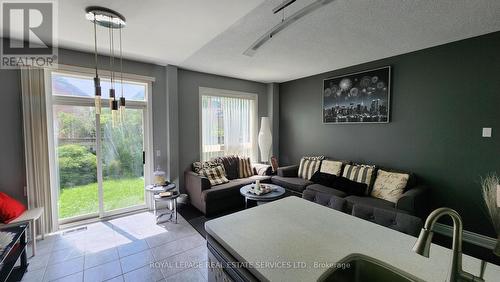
(215, 175)
(253, 178)
(393, 219)
(389, 185)
(331, 167)
(322, 178)
(350, 187)
(230, 164)
(369, 201)
(232, 187)
(360, 173)
(293, 183)
(327, 190)
(325, 199)
(308, 166)
(245, 167)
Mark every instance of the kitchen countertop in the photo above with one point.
(296, 230)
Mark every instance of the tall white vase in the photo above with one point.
(265, 139)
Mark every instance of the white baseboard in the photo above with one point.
(468, 236)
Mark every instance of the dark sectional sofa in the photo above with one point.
(226, 197)
(413, 200)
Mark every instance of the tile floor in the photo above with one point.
(130, 248)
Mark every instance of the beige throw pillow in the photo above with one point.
(331, 167)
(389, 185)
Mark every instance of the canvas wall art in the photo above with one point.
(362, 97)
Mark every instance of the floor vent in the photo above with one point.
(79, 229)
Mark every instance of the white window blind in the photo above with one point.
(227, 125)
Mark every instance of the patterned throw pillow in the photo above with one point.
(215, 175)
(389, 185)
(199, 166)
(331, 167)
(245, 168)
(308, 166)
(359, 173)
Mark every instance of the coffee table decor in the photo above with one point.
(262, 190)
(272, 192)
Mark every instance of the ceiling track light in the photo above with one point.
(285, 23)
(283, 6)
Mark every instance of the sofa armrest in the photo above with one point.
(415, 201)
(195, 182)
(288, 171)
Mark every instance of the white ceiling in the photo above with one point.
(158, 31)
(211, 35)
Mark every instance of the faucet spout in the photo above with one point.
(423, 244)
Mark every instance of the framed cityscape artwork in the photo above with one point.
(362, 97)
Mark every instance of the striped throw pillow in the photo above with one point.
(215, 175)
(308, 166)
(359, 173)
(245, 168)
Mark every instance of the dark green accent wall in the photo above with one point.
(441, 99)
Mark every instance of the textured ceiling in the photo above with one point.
(341, 34)
(158, 31)
(211, 35)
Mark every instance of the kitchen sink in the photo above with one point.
(358, 267)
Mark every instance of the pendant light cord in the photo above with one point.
(111, 59)
(95, 45)
(121, 61)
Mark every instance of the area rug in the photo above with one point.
(196, 218)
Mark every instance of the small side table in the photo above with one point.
(171, 201)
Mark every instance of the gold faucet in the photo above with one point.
(423, 244)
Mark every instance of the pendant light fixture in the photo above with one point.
(122, 98)
(112, 20)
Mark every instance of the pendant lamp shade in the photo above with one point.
(265, 139)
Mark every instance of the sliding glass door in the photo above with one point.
(99, 166)
(74, 129)
(122, 161)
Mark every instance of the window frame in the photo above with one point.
(52, 100)
(215, 92)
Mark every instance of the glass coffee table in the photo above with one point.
(277, 193)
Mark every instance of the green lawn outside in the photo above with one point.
(83, 199)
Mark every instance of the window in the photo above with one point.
(228, 123)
